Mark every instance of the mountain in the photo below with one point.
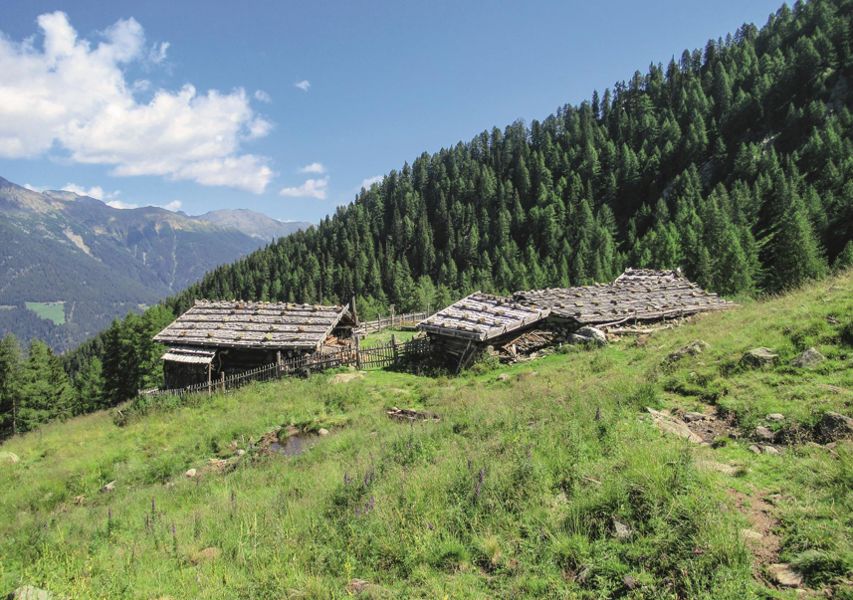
(733, 163)
(82, 263)
(252, 223)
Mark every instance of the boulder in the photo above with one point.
(775, 417)
(29, 592)
(670, 424)
(621, 531)
(191, 473)
(322, 431)
(595, 335)
(783, 575)
(808, 358)
(769, 450)
(764, 434)
(834, 426)
(759, 357)
(692, 349)
(8, 458)
(755, 449)
(690, 417)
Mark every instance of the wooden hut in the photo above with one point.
(476, 322)
(635, 296)
(231, 336)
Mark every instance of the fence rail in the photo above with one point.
(391, 321)
(376, 357)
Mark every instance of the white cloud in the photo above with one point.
(158, 52)
(34, 188)
(262, 96)
(303, 85)
(72, 94)
(314, 167)
(121, 205)
(367, 183)
(312, 188)
(95, 191)
(174, 205)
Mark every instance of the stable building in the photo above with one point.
(636, 296)
(469, 326)
(215, 337)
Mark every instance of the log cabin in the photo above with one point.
(224, 337)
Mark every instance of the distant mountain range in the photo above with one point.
(69, 264)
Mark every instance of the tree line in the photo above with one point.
(734, 163)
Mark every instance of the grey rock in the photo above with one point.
(29, 592)
(769, 450)
(775, 417)
(191, 473)
(692, 349)
(621, 531)
(834, 426)
(596, 335)
(784, 575)
(693, 416)
(759, 357)
(322, 431)
(755, 449)
(109, 487)
(808, 358)
(762, 433)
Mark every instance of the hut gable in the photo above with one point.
(637, 294)
(482, 317)
(254, 325)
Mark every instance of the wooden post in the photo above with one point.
(353, 310)
(209, 377)
(392, 315)
(394, 347)
(222, 380)
(277, 362)
(357, 354)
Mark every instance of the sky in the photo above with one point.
(289, 108)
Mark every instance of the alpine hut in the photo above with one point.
(470, 325)
(638, 295)
(231, 336)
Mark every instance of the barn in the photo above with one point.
(215, 337)
(638, 295)
(477, 321)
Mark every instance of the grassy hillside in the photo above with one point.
(545, 479)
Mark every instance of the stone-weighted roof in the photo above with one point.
(253, 325)
(481, 317)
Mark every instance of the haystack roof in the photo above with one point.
(481, 317)
(637, 294)
(253, 325)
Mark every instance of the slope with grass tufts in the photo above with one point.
(546, 479)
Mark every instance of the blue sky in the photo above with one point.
(287, 107)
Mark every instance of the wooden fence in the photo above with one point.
(407, 319)
(377, 357)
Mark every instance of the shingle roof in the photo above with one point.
(637, 294)
(481, 317)
(195, 356)
(253, 325)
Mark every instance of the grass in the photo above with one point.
(51, 311)
(380, 338)
(515, 492)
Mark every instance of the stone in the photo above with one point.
(759, 357)
(109, 487)
(765, 434)
(9, 458)
(594, 335)
(784, 575)
(692, 349)
(191, 473)
(755, 449)
(240, 452)
(690, 417)
(322, 431)
(775, 417)
(503, 377)
(712, 465)
(834, 426)
(29, 592)
(769, 450)
(621, 531)
(629, 582)
(670, 424)
(750, 535)
(808, 358)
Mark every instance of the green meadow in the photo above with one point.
(51, 311)
(545, 479)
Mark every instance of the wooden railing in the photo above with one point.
(406, 319)
(376, 357)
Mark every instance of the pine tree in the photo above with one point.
(46, 391)
(10, 384)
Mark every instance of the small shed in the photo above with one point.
(478, 321)
(232, 336)
(636, 295)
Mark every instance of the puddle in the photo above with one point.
(292, 446)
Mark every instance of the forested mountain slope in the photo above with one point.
(734, 163)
